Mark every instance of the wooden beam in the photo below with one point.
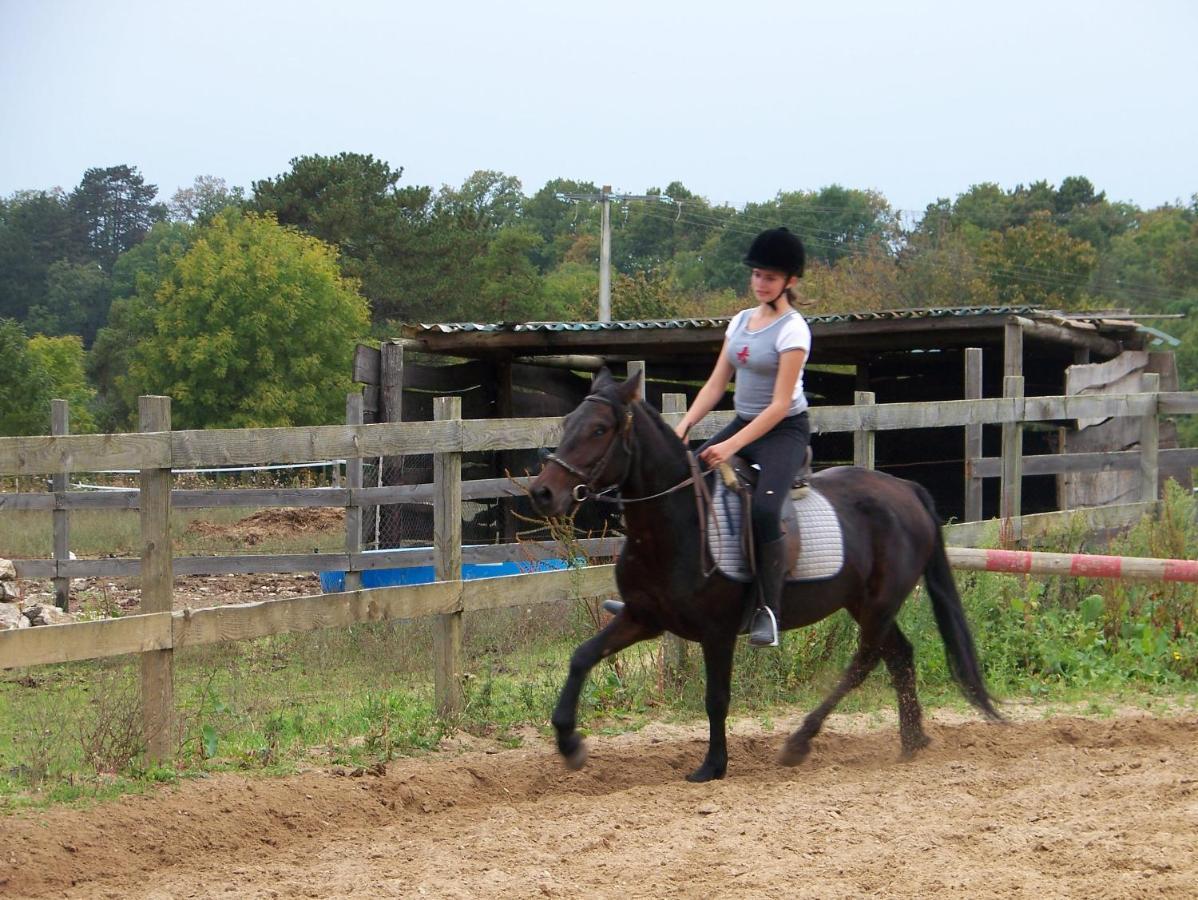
(60, 424)
(353, 480)
(447, 543)
(76, 641)
(157, 581)
(1012, 353)
(297, 614)
(367, 363)
(1150, 441)
(973, 436)
(1011, 489)
(47, 455)
(863, 438)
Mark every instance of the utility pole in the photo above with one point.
(605, 197)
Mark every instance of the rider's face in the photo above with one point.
(768, 283)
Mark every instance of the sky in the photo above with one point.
(736, 100)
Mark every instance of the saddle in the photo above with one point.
(741, 477)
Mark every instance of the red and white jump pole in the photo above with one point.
(1081, 565)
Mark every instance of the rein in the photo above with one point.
(584, 490)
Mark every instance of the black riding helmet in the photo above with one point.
(778, 249)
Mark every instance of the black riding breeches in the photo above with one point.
(778, 453)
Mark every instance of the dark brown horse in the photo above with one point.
(614, 444)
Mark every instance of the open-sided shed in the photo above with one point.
(538, 368)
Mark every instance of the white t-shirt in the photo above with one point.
(755, 354)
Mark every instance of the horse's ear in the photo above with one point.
(604, 374)
(631, 388)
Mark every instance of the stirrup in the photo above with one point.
(764, 630)
(614, 607)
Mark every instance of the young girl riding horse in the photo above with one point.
(767, 347)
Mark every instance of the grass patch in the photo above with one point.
(364, 694)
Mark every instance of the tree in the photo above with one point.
(254, 326)
(35, 232)
(509, 286)
(62, 358)
(487, 200)
(113, 209)
(76, 301)
(135, 277)
(1038, 263)
(353, 201)
(207, 196)
(642, 296)
(25, 385)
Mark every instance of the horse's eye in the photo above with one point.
(600, 430)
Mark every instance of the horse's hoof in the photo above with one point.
(794, 752)
(576, 758)
(704, 774)
(912, 748)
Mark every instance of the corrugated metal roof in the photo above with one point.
(718, 322)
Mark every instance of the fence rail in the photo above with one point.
(156, 451)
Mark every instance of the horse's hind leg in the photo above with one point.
(717, 660)
(619, 633)
(798, 745)
(900, 660)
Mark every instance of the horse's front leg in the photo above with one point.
(717, 661)
(620, 632)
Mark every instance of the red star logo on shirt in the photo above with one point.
(743, 354)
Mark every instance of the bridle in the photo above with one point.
(587, 489)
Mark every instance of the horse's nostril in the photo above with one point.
(540, 498)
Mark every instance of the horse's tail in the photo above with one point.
(950, 619)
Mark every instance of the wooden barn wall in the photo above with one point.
(1122, 375)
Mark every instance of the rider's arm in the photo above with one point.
(711, 393)
(790, 364)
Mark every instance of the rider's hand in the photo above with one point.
(682, 430)
(718, 453)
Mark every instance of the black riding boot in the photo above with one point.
(771, 574)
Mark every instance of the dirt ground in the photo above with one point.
(1059, 807)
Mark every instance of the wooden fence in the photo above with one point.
(156, 450)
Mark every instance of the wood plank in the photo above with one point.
(1105, 461)
(1011, 487)
(47, 455)
(447, 542)
(973, 436)
(1175, 403)
(27, 502)
(1094, 377)
(353, 481)
(60, 424)
(863, 438)
(75, 641)
(1012, 354)
(367, 361)
(157, 584)
(1150, 439)
(292, 615)
(538, 587)
(973, 534)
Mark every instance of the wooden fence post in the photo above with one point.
(447, 546)
(157, 583)
(353, 512)
(1012, 463)
(634, 366)
(973, 436)
(60, 423)
(674, 646)
(387, 530)
(863, 438)
(1150, 439)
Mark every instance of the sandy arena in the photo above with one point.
(1060, 807)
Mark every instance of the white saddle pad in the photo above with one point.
(821, 554)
